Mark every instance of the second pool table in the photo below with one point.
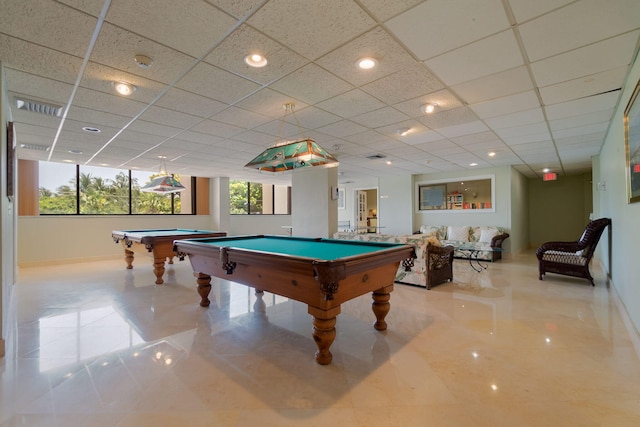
(158, 243)
(322, 273)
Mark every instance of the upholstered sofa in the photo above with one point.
(487, 240)
(433, 264)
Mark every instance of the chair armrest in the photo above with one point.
(570, 247)
(440, 250)
(496, 241)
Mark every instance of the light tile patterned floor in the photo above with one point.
(94, 344)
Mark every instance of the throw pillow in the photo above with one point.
(459, 233)
(429, 230)
(433, 241)
(486, 234)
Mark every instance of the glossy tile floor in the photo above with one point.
(94, 344)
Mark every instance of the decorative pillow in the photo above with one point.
(429, 230)
(459, 233)
(486, 234)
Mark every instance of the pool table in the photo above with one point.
(322, 273)
(157, 243)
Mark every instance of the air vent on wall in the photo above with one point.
(35, 147)
(376, 156)
(38, 107)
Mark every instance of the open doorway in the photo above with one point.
(366, 217)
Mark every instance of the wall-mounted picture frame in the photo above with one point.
(632, 146)
(11, 154)
(342, 203)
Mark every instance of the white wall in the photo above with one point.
(395, 196)
(57, 239)
(519, 237)
(612, 203)
(313, 212)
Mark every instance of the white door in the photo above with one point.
(361, 214)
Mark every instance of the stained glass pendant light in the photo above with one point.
(165, 183)
(288, 155)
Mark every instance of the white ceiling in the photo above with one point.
(534, 81)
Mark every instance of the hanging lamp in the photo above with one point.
(288, 155)
(165, 183)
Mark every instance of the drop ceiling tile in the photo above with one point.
(485, 57)
(576, 25)
(269, 103)
(168, 117)
(581, 120)
(527, 9)
(190, 103)
(312, 28)
(520, 118)
(217, 84)
(431, 20)
(525, 133)
(448, 118)
(376, 43)
(585, 61)
(257, 138)
(106, 122)
(583, 87)
(495, 86)
(220, 129)
(312, 118)
(199, 137)
(117, 48)
(404, 84)
(311, 84)
(379, 118)
(582, 130)
(591, 139)
(229, 55)
(351, 104)
(54, 25)
(423, 136)
(442, 99)
(506, 105)
(37, 88)
(185, 25)
(463, 129)
(237, 8)
(578, 107)
(384, 9)
(241, 118)
(476, 138)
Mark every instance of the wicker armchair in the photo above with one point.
(572, 258)
(439, 264)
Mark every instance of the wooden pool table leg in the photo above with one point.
(128, 258)
(324, 332)
(204, 287)
(158, 269)
(381, 306)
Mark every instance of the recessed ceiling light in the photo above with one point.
(388, 162)
(76, 151)
(491, 153)
(545, 170)
(429, 108)
(473, 164)
(255, 60)
(91, 129)
(403, 131)
(366, 63)
(124, 88)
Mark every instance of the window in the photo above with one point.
(253, 198)
(468, 193)
(91, 190)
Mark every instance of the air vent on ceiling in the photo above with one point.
(35, 147)
(38, 107)
(376, 156)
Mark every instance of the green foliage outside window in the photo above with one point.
(103, 196)
(245, 198)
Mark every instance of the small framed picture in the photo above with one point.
(341, 199)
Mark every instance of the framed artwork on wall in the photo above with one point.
(11, 154)
(632, 146)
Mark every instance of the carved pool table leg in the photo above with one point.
(170, 259)
(128, 258)
(204, 287)
(158, 269)
(381, 306)
(324, 332)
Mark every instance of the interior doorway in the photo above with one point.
(366, 210)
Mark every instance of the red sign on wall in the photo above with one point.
(551, 176)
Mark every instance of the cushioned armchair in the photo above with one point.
(439, 264)
(572, 258)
